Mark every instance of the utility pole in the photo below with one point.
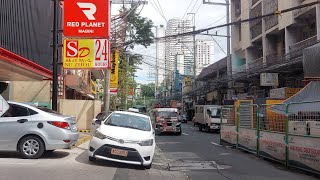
(54, 57)
(194, 55)
(229, 64)
(106, 89)
(157, 65)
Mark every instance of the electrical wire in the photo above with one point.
(155, 7)
(187, 9)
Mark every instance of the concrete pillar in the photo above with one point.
(290, 38)
(318, 21)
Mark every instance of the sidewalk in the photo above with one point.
(83, 137)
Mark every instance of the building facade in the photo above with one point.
(160, 32)
(272, 44)
(203, 56)
(177, 47)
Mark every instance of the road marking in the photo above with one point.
(185, 134)
(224, 154)
(216, 144)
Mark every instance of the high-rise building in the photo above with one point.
(160, 54)
(178, 47)
(203, 55)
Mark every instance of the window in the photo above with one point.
(16, 111)
(32, 112)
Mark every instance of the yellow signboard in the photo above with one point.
(114, 75)
(86, 54)
(187, 81)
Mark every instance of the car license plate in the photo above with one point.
(119, 152)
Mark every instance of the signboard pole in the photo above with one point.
(54, 59)
(106, 98)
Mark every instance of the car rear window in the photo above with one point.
(48, 110)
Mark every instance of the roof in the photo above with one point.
(17, 68)
(212, 68)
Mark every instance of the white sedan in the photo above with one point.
(124, 137)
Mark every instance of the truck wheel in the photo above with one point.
(200, 127)
(207, 128)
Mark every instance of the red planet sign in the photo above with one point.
(86, 18)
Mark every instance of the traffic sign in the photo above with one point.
(86, 54)
(86, 18)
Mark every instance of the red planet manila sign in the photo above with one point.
(86, 18)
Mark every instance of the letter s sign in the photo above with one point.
(72, 49)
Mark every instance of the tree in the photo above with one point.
(138, 30)
(147, 90)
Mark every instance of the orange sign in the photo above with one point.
(86, 18)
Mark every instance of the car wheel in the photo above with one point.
(92, 159)
(31, 147)
(149, 166)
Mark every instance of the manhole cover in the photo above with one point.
(196, 165)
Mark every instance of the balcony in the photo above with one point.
(276, 58)
(269, 7)
(256, 64)
(301, 11)
(256, 25)
(295, 50)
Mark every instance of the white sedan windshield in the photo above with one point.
(129, 121)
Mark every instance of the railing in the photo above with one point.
(276, 58)
(258, 63)
(303, 10)
(269, 7)
(296, 49)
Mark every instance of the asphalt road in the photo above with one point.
(199, 155)
(193, 155)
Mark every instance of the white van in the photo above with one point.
(207, 117)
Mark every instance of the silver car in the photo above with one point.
(33, 130)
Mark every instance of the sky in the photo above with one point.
(206, 16)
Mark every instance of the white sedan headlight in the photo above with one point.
(146, 143)
(99, 135)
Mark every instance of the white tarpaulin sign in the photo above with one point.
(4, 106)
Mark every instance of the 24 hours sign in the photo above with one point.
(86, 54)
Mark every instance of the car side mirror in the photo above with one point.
(98, 121)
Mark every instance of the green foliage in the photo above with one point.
(147, 90)
(138, 30)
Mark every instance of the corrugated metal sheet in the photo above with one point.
(25, 29)
(245, 113)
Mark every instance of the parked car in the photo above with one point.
(33, 130)
(124, 137)
(183, 118)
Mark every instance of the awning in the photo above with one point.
(306, 100)
(16, 68)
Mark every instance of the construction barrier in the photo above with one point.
(286, 133)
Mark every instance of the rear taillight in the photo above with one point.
(63, 125)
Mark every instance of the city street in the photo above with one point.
(193, 155)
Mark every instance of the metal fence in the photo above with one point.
(286, 133)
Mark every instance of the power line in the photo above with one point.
(236, 22)
(160, 8)
(198, 8)
(187, 9)
(156, 8)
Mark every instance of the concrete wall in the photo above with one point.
(245, 27)
(29, 91)
(83, 110)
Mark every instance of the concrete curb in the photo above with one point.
(81, 141)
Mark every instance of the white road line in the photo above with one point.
(185, 134)
(216, 144)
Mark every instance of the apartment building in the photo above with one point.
(273, 44)
(203, 56)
